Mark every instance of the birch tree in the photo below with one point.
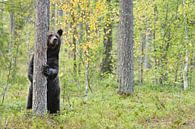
(186, 62)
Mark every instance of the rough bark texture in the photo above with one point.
(125, 66)
(39, 80)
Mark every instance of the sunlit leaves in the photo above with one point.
(166, 35)
(82, 21)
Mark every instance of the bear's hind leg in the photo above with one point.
(29, 101)
(53, 105)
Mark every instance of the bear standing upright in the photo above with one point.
(51, 72)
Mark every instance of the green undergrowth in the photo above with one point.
(149, 107)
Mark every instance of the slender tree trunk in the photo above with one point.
(2, 13)
(1, 23)
(86, 78)
(154, 41)
(107, 59)
(185, 72)
(74, 52)
(142, 47)
(176, 72)
(87, 66)
(11, 61)
(7, 82)
(48, 14)
(147, 65)
(13, 44)
(79, 50)
(74, 32)
(39, 106)
(87, 83)
(12, 30)
(55, 16)
(186, 62)
(190, 73)
(125, 62)
(166, 39)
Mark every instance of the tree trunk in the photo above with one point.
(12, 30)
(55, 16)
(86, 79)
(2, 14)
(79, 50)
(48, 14)
(74, 51)
(125, 62)
(107, 59)
(142, 47)
(40, 57)
(166, 39)
(155, 13)
(147, 64)
(185, 72)
(186, 62)
(11, 67)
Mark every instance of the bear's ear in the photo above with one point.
(60, 32)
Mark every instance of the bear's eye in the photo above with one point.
(49, 36)
(57, 36)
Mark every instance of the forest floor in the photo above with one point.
(149, 107)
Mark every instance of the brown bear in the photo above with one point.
(51, 72)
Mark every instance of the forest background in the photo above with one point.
(164, 60)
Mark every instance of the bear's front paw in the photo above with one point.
(46, 70)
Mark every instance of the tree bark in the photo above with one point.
(86, 79)
(186, 62)
(142, 46)
(12, 30)
(48, 14)
(125, 62)
(148, 34)
(74, 51)
(40, 57)
(155, 13)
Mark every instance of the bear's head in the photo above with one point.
(54, 42)
(54, 39)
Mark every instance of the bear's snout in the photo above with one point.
(53, 40)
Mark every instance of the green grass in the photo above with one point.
(149, 107)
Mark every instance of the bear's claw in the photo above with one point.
(46, 70)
